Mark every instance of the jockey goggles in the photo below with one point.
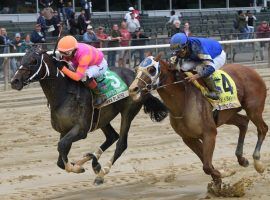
(178, 47)
(66, 53)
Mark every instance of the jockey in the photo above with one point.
(203, 54)
(87, 61)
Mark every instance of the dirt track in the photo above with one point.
(156, 165)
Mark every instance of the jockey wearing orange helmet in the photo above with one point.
(87, 61)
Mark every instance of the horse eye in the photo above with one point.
(152, 71)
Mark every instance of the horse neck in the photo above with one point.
(55, 85)
(173, 95)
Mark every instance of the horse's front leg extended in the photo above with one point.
(111, 136)
(64, 146)
(121, 146)
(209, 141)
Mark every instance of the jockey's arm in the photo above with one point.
(207, 69)
(80, 71)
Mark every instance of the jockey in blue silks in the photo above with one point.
(203, 54)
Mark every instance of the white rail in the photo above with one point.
(6, 55)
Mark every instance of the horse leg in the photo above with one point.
(209, 140)
(262, 128)
(195, 145)
(121, 144)
(111, 136)
(241, 121)
(60, 162)
(64, 146)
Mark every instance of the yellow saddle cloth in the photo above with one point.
(228, 96)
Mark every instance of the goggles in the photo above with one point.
(177, 47)
(67, 53)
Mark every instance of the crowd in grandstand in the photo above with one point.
(56, 14)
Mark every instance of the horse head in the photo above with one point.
(34, 67)
(150, 74)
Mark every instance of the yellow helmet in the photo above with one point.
(67, 43)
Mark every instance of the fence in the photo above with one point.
(246, 51)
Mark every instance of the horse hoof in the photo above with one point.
(99, 180)
(259, 166)
(244, 162)
(61, 164)
(97, 168)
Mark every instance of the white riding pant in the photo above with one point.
(219, 61)
(95, 71)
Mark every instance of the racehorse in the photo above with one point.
(71, 110)
(191, 114)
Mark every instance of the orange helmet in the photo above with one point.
(67, 43)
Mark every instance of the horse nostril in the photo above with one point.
(14, 81)
(136, 89)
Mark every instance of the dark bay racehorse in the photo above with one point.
(191, 114)
(71, 110)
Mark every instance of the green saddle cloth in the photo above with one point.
(110, 84)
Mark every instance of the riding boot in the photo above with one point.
(99, 98)
(213, 91)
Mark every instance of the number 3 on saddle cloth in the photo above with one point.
(111, 85)
(226, 86)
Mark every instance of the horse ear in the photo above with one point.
(158, 57)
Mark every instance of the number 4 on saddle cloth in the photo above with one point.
(226, 86)
(111, 85)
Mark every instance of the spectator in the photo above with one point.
(126, 37)
(139, 39)
(175, 27)
(6, 39)
(114, 41)
(69, 10)
(46, 3)
(60, 9)
(48, 13)
(2, 43)
(128, 14)
(186, 29)
(37, 36)
(173, 17)
(133, 24)
(90, 36)
(250, 23)
(102, 37)
(41, 20)
(26, 44)
(72, 24)
(17, 48)
(54, 25)
(263, 31)
(82, 23)
(85, 4)
(242, 25)
(17, 43)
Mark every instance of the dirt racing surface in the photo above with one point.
(156, 165)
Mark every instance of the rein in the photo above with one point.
(152, 86)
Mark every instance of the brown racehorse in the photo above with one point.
(191, 114)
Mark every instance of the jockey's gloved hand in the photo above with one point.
(173, 60)
(59, 63)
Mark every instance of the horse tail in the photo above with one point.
(155, 108)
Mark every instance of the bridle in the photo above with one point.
(155, 81)
(36, 69)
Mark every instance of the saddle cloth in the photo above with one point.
(111, 85)
(226, 85)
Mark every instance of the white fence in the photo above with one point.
(156, 47)
(6, 55)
